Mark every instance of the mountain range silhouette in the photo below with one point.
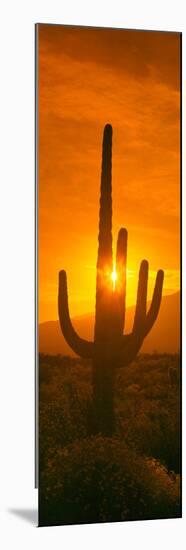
(163, 338)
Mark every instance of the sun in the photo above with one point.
(114, 278)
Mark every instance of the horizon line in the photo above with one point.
(88, 313)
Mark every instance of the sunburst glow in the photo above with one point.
(114, 278)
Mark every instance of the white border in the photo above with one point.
(17, 270)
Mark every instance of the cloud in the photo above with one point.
(131, 80)
(138, 53)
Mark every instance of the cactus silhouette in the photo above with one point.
(111, 348)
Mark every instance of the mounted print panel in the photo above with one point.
(109, 187)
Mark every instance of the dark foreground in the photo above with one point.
(133, 475)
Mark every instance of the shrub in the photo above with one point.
(101, 479)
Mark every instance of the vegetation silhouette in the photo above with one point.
(134, 474)
(111, 348)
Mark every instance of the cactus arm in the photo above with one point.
(120, 290)
(81, 347)
(129, 347)
(143, 322)
(141, 304)
(156, 301)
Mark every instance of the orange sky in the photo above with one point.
(88, 77)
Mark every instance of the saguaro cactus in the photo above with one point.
(111, 348)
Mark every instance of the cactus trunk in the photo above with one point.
(103, 416)
(104, 261)
(103, 371)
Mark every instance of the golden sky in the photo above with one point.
(87, 78)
